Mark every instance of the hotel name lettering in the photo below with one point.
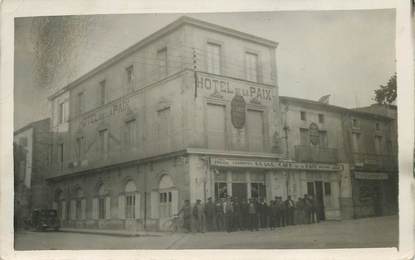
(231, 87)
(114, 109)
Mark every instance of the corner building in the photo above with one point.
(190, 112)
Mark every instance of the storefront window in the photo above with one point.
(258, 190)
(221, 190)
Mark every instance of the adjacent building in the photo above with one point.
(363, 141)
(32, 160)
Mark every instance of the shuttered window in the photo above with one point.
(256, 130)
(216, 130)
(213, 58)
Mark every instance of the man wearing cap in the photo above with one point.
(199, 215)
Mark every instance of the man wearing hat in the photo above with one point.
(210, 215)
(199, 215)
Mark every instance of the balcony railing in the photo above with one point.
(307, 153)
(385, 161)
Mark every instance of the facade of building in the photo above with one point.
(190, 112)
(362, 141)
(31, 165)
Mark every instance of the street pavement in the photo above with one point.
(359, 233)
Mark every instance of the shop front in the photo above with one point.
(243, 179)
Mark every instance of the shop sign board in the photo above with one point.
(240, 163)
(371, 175)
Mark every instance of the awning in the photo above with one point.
(371, 175)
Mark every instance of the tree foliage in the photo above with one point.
(386, 94)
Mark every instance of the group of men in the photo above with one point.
(233, 214)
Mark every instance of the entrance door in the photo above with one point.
(239, 191)
(320, 200)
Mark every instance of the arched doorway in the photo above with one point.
(168, 201)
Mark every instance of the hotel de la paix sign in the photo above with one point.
(240, 163)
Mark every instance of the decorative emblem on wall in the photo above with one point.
(238, 111)
(314, 134)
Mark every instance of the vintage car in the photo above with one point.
(43, 219)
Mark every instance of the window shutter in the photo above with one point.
(63, 210)
(73, 209)
(107, 207)
(155, 204)
(83, 209)
(95, 208)
(174, 202)
(121, 207)
(137, 205)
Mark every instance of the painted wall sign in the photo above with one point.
(231, 87)
(119, 107)
(238, 163)
(371, 175)
(314, 134)
(238, 111)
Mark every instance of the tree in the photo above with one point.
(386, 94)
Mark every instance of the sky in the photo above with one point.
(346, 54)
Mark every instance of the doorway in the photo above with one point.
(316, 190)
(239, 191)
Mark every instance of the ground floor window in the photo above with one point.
(165, 204)
(221, 190)
(130, 206)
(78, 209)
(258, 190)
(101, 208)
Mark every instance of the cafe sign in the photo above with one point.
(240, 163)
(116, 108)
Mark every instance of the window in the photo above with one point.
(378, 144)
(321, 118)
(80, 103)
(78, 209)
(102, 92)
(63, 112)
(221, 190)
(310, 188)
(355, 142)
(355, 123)
(79, 147)
(327, 189)
(255, 130)
(304, 136)
(303, 116)
(101, 208)
(257, 190)
(130, 190)
(251, 66)
(60, 153)
(130, 73)
(323, 139)
(216, 130)
(377, 126)
(163, 129)
(131, 133)
(213, 58)
(162, 59)
(103, 142)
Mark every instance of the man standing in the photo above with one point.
(199, 214)
(186, 210)
(220, 218)
(244, 217)
(252, 212)
(273, 214)
(210, 215)
(236, 225)
(289, 210)
(228, 210)
(307, 210)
